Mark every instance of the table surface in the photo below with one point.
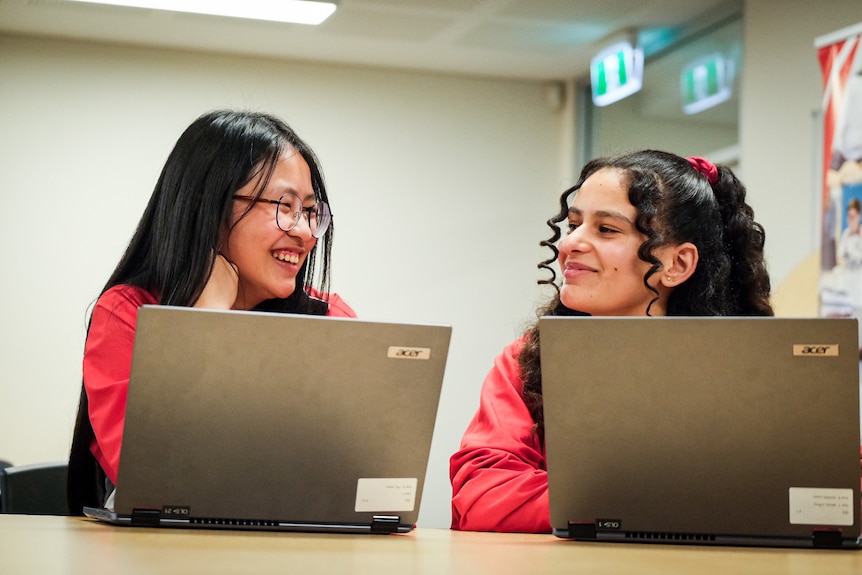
(48, 544)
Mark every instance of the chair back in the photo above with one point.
(35, 489)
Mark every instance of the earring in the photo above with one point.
(669, 279)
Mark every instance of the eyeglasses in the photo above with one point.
(289, 210)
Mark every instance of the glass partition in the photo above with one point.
(654, 116)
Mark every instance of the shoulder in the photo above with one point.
(115, 316)
(336, 307)
(126, 296)
(516, 346)
(512, 351)
(506, 372)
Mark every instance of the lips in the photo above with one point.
(574, 269)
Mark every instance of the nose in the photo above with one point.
(302, 228)
(576, 240)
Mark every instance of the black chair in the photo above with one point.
(3, 465)
(35, 489)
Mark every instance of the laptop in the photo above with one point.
(711, 431)
(252, 420)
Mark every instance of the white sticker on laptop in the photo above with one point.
(811, 506)
(385, 494)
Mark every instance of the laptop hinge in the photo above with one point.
(385, 524)
(145, 518)
(582, 530)
(829, 538)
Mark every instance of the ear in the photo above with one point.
(679, 262)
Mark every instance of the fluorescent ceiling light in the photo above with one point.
(293, 11)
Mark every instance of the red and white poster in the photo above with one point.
(840, 56)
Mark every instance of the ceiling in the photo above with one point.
(528, 39)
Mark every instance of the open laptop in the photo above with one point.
(250, 420)
(734, 431)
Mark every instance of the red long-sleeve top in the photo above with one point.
(499, 476)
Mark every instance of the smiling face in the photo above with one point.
(602, 274)
(267, 258)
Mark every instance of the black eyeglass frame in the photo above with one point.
(323, 215)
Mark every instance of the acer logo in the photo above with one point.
(407, 353)
(399, 352)
(815, 349)
(828, 350)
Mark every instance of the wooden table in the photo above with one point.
(48, 545)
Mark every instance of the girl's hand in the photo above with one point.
(221, 289)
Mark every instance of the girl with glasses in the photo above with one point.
(239, 219)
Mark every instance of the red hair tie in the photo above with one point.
(705, 167)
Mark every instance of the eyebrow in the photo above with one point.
(604, 214)
(283, 190)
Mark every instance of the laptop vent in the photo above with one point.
(652, 536)
(233, 522)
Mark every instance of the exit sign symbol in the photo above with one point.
(616, 73)
(706, 82)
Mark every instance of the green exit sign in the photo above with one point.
(706, 82)
(616, 73)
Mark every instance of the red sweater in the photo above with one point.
(499, 476)
(108, 362)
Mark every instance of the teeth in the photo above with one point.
(286, 257)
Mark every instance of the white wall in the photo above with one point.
(440, 185)
(781, 92)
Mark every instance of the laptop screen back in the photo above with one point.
(701, 427)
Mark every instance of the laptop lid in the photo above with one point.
(741, 431)
(276, 421)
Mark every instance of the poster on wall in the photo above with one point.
(840, 56)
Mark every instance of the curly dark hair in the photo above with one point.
(675, 203)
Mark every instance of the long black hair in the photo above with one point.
(675, 203)
(172, 252)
